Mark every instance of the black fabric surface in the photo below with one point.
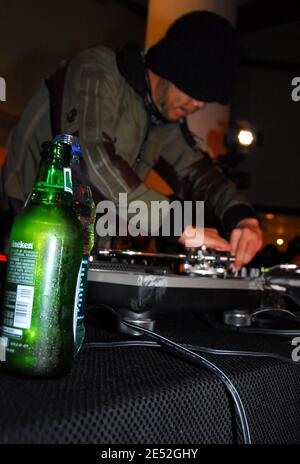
(150, 396)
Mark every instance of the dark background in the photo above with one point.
(35, 36)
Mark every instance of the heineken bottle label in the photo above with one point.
(68, 180)
(20, 292)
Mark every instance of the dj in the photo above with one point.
(129, 110)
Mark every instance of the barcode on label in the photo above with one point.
(23, 308)
(3, 345)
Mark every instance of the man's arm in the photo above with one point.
(193, 177)
(112, 125)
(246, 240)
(108, 170)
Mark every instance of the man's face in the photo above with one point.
(173, 104)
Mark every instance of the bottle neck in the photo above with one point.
(54, 180)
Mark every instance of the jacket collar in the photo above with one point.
(132, 66)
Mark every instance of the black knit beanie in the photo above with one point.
(198, 55)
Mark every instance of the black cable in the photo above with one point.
(268, 285)
(295, 300)
(206, 350)
(190, 355)
(278, 312)
(203, 349)
(251, 354)
(124, 344)
(283, 333)
(274, 310)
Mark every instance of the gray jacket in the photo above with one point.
(105, 100)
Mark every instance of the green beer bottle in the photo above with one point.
(85, 209)
(44, 257)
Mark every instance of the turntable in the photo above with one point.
(142, 285)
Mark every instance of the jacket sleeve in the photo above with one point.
(109, 170)
(193, 176)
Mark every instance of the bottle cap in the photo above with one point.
(71, 140)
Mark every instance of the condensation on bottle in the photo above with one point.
(44, 258)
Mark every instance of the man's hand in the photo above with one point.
(246, 240)
(195, 237)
